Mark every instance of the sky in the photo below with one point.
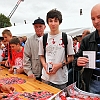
(32, 9)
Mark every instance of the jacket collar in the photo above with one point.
(93, 36)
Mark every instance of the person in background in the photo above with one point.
(32, 64)
(91, 42)
(21, 41)
(76, 44)
(17, 56)
(7, 35)
(5, 52)
(85, 32)
(1, 49)
(79, 37)
(5, 89)
(54, 56)
(24, 38)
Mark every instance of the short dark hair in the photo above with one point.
(54, 14)
(75, 38)
(14, 40)
(1, 38)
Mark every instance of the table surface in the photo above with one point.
(30, 85)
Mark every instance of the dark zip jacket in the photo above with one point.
(88, 43)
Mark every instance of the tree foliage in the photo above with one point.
(4, 21)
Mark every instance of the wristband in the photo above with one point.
(63, 64)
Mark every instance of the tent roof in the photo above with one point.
(74, 25)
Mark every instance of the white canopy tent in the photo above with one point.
(20, 30)
(73, 26)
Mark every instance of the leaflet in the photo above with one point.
(92, 59)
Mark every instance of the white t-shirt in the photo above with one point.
(55, 53)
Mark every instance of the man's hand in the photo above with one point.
(81, 61)
(20, 70)
(32, 76)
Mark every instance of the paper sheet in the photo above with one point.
(92, 58)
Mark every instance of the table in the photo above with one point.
(30, 85)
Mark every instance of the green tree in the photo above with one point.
(4, 21)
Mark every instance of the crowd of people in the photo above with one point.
(49, 63)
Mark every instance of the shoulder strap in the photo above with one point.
(64, 38)
(44, 42)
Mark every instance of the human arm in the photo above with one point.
(57, 63)
(80, 61)
(20, 70)
(27, 59)
(6, 88)
(56, 67)
(44, 64)
(7, 63)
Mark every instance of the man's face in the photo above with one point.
(53, 24)
(95, 16)
(39, 29)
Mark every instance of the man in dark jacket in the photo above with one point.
(91, 42)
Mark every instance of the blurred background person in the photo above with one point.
(7, 35)
(85, 32)
(24, 38)
(21, 41)
(76, 44)
(17, 56)
(1, 48)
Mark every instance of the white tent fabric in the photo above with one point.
(74, 26)
(20, 30)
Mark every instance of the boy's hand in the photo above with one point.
(11, 70)
(7, 63)
(7, 88)
(55, 68)
(3, 62)
(20, 70)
